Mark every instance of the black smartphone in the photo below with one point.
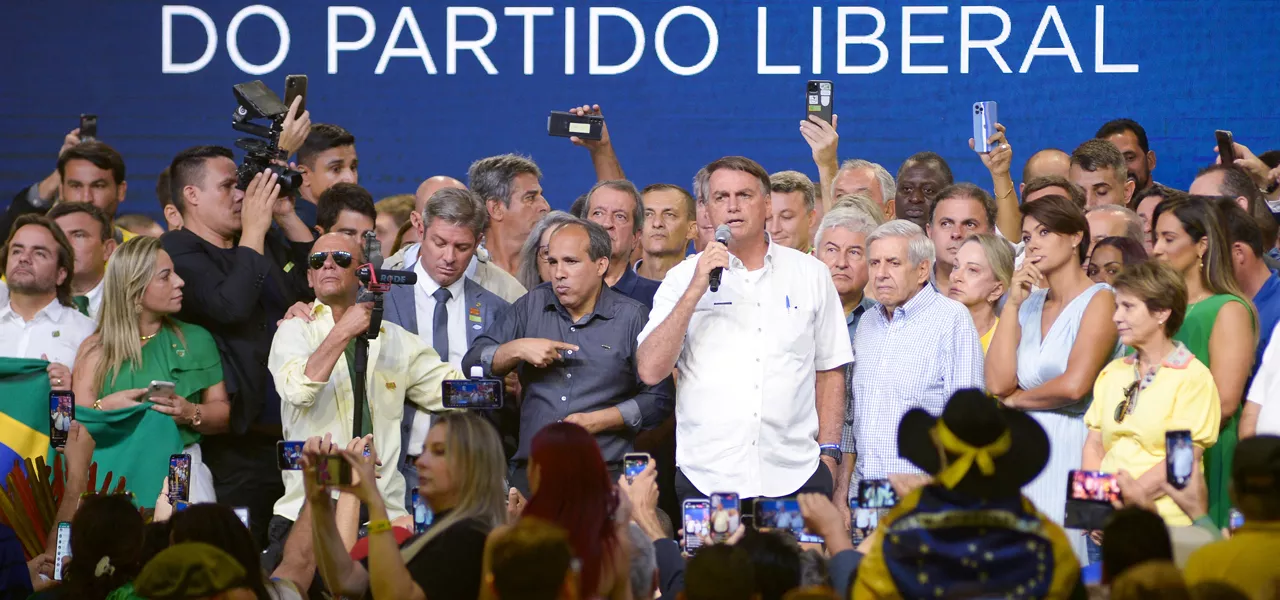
(180, 478)
(62, 411)
(472, 393)
(820, 99)
(1180, 457)
(782, 513)
(876, 493)
(289, 455)
(567, 124)
(726, 515)
(295, 86)
(88, 127)
(1226, 146)
(333, 470)
(63, 549)
(633, 463)
(697, 521)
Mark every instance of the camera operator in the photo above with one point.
(313, 365)
(326, 158)
(238, 290)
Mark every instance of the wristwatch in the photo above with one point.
(831, 450)
(195, 419)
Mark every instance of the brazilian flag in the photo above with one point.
(24, 411)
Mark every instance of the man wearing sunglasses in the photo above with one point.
(312, 362)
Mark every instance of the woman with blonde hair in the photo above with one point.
(983, 270)
(460, 476)
(137, 425)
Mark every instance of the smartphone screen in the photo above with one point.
(422, 515)
(726, 515)
(1092, 486)
(819, 99)
(1226, 146)
(876, 493)
(633, 464)
(289, 455)
(243, 513)
(1180, 457)
(62, 411)
(333, 470)
(472, 393)
(88, 127)
(180, 478)
(782, 513)
(1235, 519)
(295, 86)
(984, 125)
(697, 522)
(63, 549)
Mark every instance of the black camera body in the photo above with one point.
(256, 101)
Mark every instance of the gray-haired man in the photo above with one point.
(510, 189)
(445, 308)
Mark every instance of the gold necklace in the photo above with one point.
(148, 337)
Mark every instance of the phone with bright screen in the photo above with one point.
(472, 393)
(697, 522)
(784, 514)
(1180, 457)
(180, 478)
(62, 411)
(63, 549)
(1092, 486)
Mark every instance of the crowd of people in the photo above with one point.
(998, 347)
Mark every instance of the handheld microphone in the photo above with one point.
(723, 236)
(373, 276)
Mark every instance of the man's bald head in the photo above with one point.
(431, 186)
(1050, 162)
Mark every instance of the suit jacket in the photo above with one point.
(400, 307)
(637, 288)
(481, 271)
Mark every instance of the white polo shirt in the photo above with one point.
(746, 406)
(56, 331)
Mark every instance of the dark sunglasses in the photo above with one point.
(340, 258)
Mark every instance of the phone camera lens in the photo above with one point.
(977, 110)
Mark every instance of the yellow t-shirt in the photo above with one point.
(1246, 561)
(1181, 396)
(986, 337)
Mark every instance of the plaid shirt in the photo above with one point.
(918, 359)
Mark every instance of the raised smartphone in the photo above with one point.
(88, 127)
(289, 455)
(62, 411)
(1179, 456)
(876, 493)
(333, 470)
(63, 549)
(819, 99)
(633, 463)
(726, 515)
(295, 86)
(472, 393)
(984, 125)
(180, 478)
(696, 514)
(782, 513)
(567, 124)
(1226, 146)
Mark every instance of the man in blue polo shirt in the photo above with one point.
(1260, 283)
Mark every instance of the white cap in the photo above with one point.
(477, 372)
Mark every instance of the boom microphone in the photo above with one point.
(722, 236)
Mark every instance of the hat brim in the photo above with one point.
(1028, 453)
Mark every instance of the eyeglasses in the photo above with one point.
(340, 258)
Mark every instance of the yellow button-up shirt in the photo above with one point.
(401, 368)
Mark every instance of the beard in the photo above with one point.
(30, 285)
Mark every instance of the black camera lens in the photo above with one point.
(977, 110)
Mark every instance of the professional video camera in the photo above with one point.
(257, 101)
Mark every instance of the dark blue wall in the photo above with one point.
(1201, 65)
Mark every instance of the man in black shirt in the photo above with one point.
(573, 342)
(242, 275)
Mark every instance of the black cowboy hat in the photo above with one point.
(978, 420)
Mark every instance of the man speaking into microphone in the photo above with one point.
(761, 399)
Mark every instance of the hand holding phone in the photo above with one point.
(984, 125)
(567, 124)
(63, 549)
(160, 389)
(62, 411)
(697, 523)
(295, 86)
(726, 515)
(333, 470)
(88, 127)
(180, 478)
(633, 464)
(1226, 147)
(820, 99)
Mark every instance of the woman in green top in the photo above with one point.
(1220, 328)
(137, 342)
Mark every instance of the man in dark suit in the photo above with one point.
(241, 275)
(445, 307)
(617, 206)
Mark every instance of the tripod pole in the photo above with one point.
(361, 367)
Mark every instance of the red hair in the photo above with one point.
(575, 493)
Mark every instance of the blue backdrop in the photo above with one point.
(1180, 67)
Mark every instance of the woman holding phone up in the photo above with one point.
(136, 425)
(1161, 387)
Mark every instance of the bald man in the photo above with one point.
(480, 270)
(1045, 163)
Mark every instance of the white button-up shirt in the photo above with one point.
(746, 404)
(425, 305)
(56, 332)
(401, 367)
(1265, 390)
(95, 299)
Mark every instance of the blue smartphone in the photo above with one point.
(984, 125)
(633, 463)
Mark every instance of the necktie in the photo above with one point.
(440, 324)
(82, 304)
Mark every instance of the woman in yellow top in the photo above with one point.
(984, 267)
(1161, 387)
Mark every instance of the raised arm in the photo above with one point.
(823, 141)
(656, 357)
(1094, 346)
(603, 157)
(1008, 218)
